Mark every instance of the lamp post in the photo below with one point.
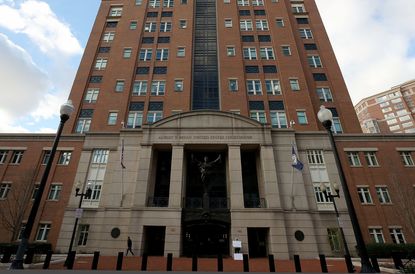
(65, 111)
(87, 195)
(325, 117)
(331, 196)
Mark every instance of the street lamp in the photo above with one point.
(87, 195)
(330, 196)
(325, 116)
(65, 111)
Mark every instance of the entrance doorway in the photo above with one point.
(257, 242)
(154, 240)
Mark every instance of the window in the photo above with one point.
(152, 14)
(101, 63)
(286, 50)
(273, 87)
(257, 2)
(319, 77)
(163, 39)
(371, 159)
(145, 54)
(353, 157)
(250, 53)
(245, 25)
(17, 157)
(4, 190)
(364, 195)
(119, 85)
(324, 94)
(108, 36)
(264, 38)
(127, 52)
(160, 70)
(302, 20)
(306, 33)
(142, 70)
(83, 235)
(42, 232)
(112, 118)
(269, 69)
(337, 126)
(178, 85)
(261, 24)
(278, 119)
(302, 117)
(83, 125)
(154, 3)
(3, 156)
(279, 22)
(115, 11)
(258, 115)
(314, 61)
(96, 175)
(247, 38)
(243, 2)
(55, 191)
(233, 84)
(46, 156)
(230, 51)
(383, 195)
(91, 95)
(162, 54)
(154, 116)
(321, 198)
(244, 12)
(183, 2)
(35, 191)
(294, 85)
(298, 8)
(135, 119)
(407, 158)
(397, 235)
(147, 40)
(100, 156)
(138, 2)
(158, 88)
(251, 69)
(228, 23)
(165, 26)
(150, 26)
(376, 235)
(310, 46)
(64, 158)
(253, 87)
(140, 88)
(267, 53)
(315, 157)
(133, 25)
(181, 52)
(168, 3)
(104, 49)
(112, 24)
(183, 24)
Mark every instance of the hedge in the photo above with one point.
(40, 248)
(386, 250)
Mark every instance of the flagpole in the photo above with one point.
(122, 172)
(292, 189)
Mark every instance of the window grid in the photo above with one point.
(43, 231)
(371, 159)
(406, 157)
(150, 27)
(397, 235)
(278, 119)
(162, 54)
(364, 195)
(145, 54)
(376, 235)
(267, 53)
(294, 84)
(324, 94)
(54, 193)
(321, 198)
(3, 156)
(154, 116)
(91, 95)
(261, 24)
(4, 190)
(245, 25)
(233, 84)
(83, 125)
(135, 119)
(101, 63)
(165, 26)
(254, 87)
(315, 157)
(65, 158)
(314, 61)
(112, 118)
(83, 235)
(259, 116)
(46, 156)
(353, 157)
(140, 88)
(273, 87)
(250, 53)
(17, 157)
(306, 33)
(302, 117)
(158, 88)
(383, 195)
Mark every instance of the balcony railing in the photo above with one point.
(158, 201)
(255, 203)
(213, 203)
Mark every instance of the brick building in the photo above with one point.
(391, 111)
(187, 112)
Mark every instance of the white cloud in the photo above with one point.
(371, 40)
(36, 19)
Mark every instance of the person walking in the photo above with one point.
(129, 246)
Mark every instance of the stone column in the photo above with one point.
(176, 176)
(145, 156)
(269, 175)
(235, 177)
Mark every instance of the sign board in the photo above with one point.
(238, 257)
(237, 244)
(78, 213)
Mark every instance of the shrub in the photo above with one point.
(386, 250)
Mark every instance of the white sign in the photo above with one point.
(78, 213)
(238, 257)
(237, 244)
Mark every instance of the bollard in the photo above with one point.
(349, 264)
(271, 263)
(119, 260)
(30, 253)
(169, 262)
(375, 264)
(95, 260)
(246, 263)
(194, 262)
(220, 263)
(323, 263)
(397, 260)
(70, 260)
(144, 262)
(297, 263)
(48, 258)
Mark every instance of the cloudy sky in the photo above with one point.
(41, 44)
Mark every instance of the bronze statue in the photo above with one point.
(204, 168)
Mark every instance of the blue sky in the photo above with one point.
(42, 41)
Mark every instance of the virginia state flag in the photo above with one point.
(296, 163)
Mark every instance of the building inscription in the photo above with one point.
(205, 137)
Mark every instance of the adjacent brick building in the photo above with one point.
(186, 114)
